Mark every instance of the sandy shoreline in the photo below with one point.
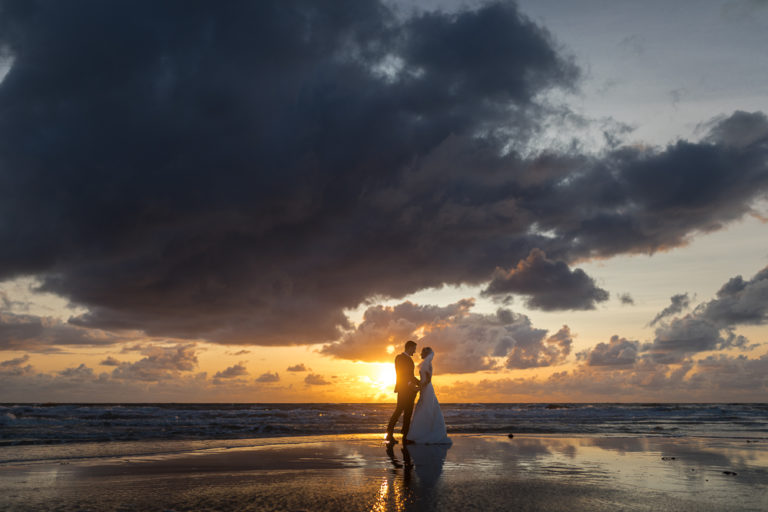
(479, 472)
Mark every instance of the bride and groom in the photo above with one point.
(428, 424)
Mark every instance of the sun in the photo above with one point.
(379, 379)
(385, 376)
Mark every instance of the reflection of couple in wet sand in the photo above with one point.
(420, 493)
(428, 424)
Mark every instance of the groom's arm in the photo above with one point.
(413, 382)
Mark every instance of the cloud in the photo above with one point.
(210, 117)
(195, 163)
(740, 302)
(679, 302)
(159, 363)
(691, 334)
(268, 377)
(550, 285)
(315, 380)
(391, 325)
(711, 325)
(81, 372)
(297, 368)
(14, 362)
(7, 304)
(110, 361)
(34, 333)
(731, 374)
(231, 372)
(463, 341)
(15, 367)
(626, 299)
(714, 378)
(617, 352)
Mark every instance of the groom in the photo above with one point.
(406, 387)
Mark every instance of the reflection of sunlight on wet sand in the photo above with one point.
(390, 497)
(381, 497)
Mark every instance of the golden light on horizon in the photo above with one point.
(380, 379)
(386, 376)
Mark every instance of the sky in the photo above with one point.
(262, 201)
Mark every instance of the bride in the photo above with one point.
(427, 425)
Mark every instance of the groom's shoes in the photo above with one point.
(390, 440)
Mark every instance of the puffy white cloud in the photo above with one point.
(463, 341)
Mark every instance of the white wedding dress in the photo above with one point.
(427, 424)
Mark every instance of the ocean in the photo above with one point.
(45, 424)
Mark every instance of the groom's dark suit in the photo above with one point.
(406, 387)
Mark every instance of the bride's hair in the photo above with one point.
(425, 352)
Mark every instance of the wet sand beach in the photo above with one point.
(358, 472)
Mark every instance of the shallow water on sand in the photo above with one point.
(359, 472)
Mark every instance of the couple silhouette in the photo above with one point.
(428, 426)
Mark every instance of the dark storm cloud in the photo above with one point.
(181, 157)
(243, 172)
(679, 302)
(711, 325)
(549, 285)
(463, 341)
(739, 130)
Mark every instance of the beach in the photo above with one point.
(359, 472)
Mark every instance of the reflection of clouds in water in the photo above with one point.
(485, 451)
(692, 451)
(620, 444)
(694, 459)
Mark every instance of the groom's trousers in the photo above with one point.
(405, 407)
